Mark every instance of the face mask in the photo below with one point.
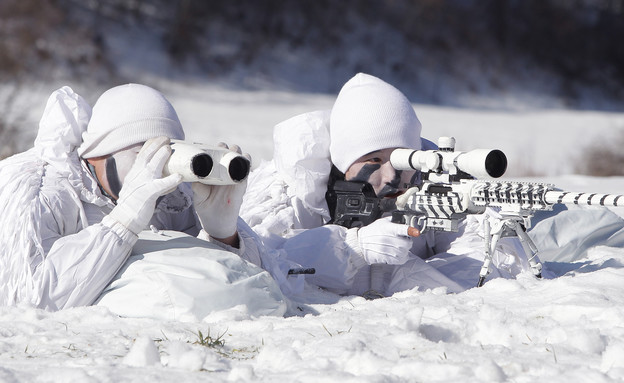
(118, 166)
(371, 173)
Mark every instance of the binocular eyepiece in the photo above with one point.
(206, 164)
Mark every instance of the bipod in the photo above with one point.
(508, 226)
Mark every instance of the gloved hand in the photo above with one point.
(385, 242)
(217, 206)
(143, 185)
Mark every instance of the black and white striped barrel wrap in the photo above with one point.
(588, 199)
(535, 195)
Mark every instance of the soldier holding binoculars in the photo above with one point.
(94, 181)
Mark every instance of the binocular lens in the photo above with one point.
(208, 165)
(238, 169)
(201, 165)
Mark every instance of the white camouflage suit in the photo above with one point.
(60, 248)
(285, 204)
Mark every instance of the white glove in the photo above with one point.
(218, 206)
(143, 185)
(385, 242)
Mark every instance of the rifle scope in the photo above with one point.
(206, 164)
(478, 163)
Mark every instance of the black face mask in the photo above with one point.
(94, 174)
(112, 176)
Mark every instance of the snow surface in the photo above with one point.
(560, 330)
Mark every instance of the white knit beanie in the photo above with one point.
(368, 115)
(127, 115)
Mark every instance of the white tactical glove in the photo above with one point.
(143, 185)
(385, 242)
(218, 206)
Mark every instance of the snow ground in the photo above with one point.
(525, 330)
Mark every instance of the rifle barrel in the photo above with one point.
(597, 199)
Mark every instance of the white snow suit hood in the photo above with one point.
(65, 118)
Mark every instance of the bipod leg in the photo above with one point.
(485, 269)
(530, 249)
(490, 245)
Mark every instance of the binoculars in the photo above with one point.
(206, 164)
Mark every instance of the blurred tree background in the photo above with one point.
(405, 41)
(452, 52)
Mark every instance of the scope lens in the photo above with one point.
(496, 163)
(239, 168)
(201, 165)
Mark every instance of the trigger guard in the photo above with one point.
(419, 222)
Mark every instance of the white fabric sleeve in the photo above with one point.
(254, 251)
(77, 267)
(330, 250)
(173, 276)
(251, 248)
